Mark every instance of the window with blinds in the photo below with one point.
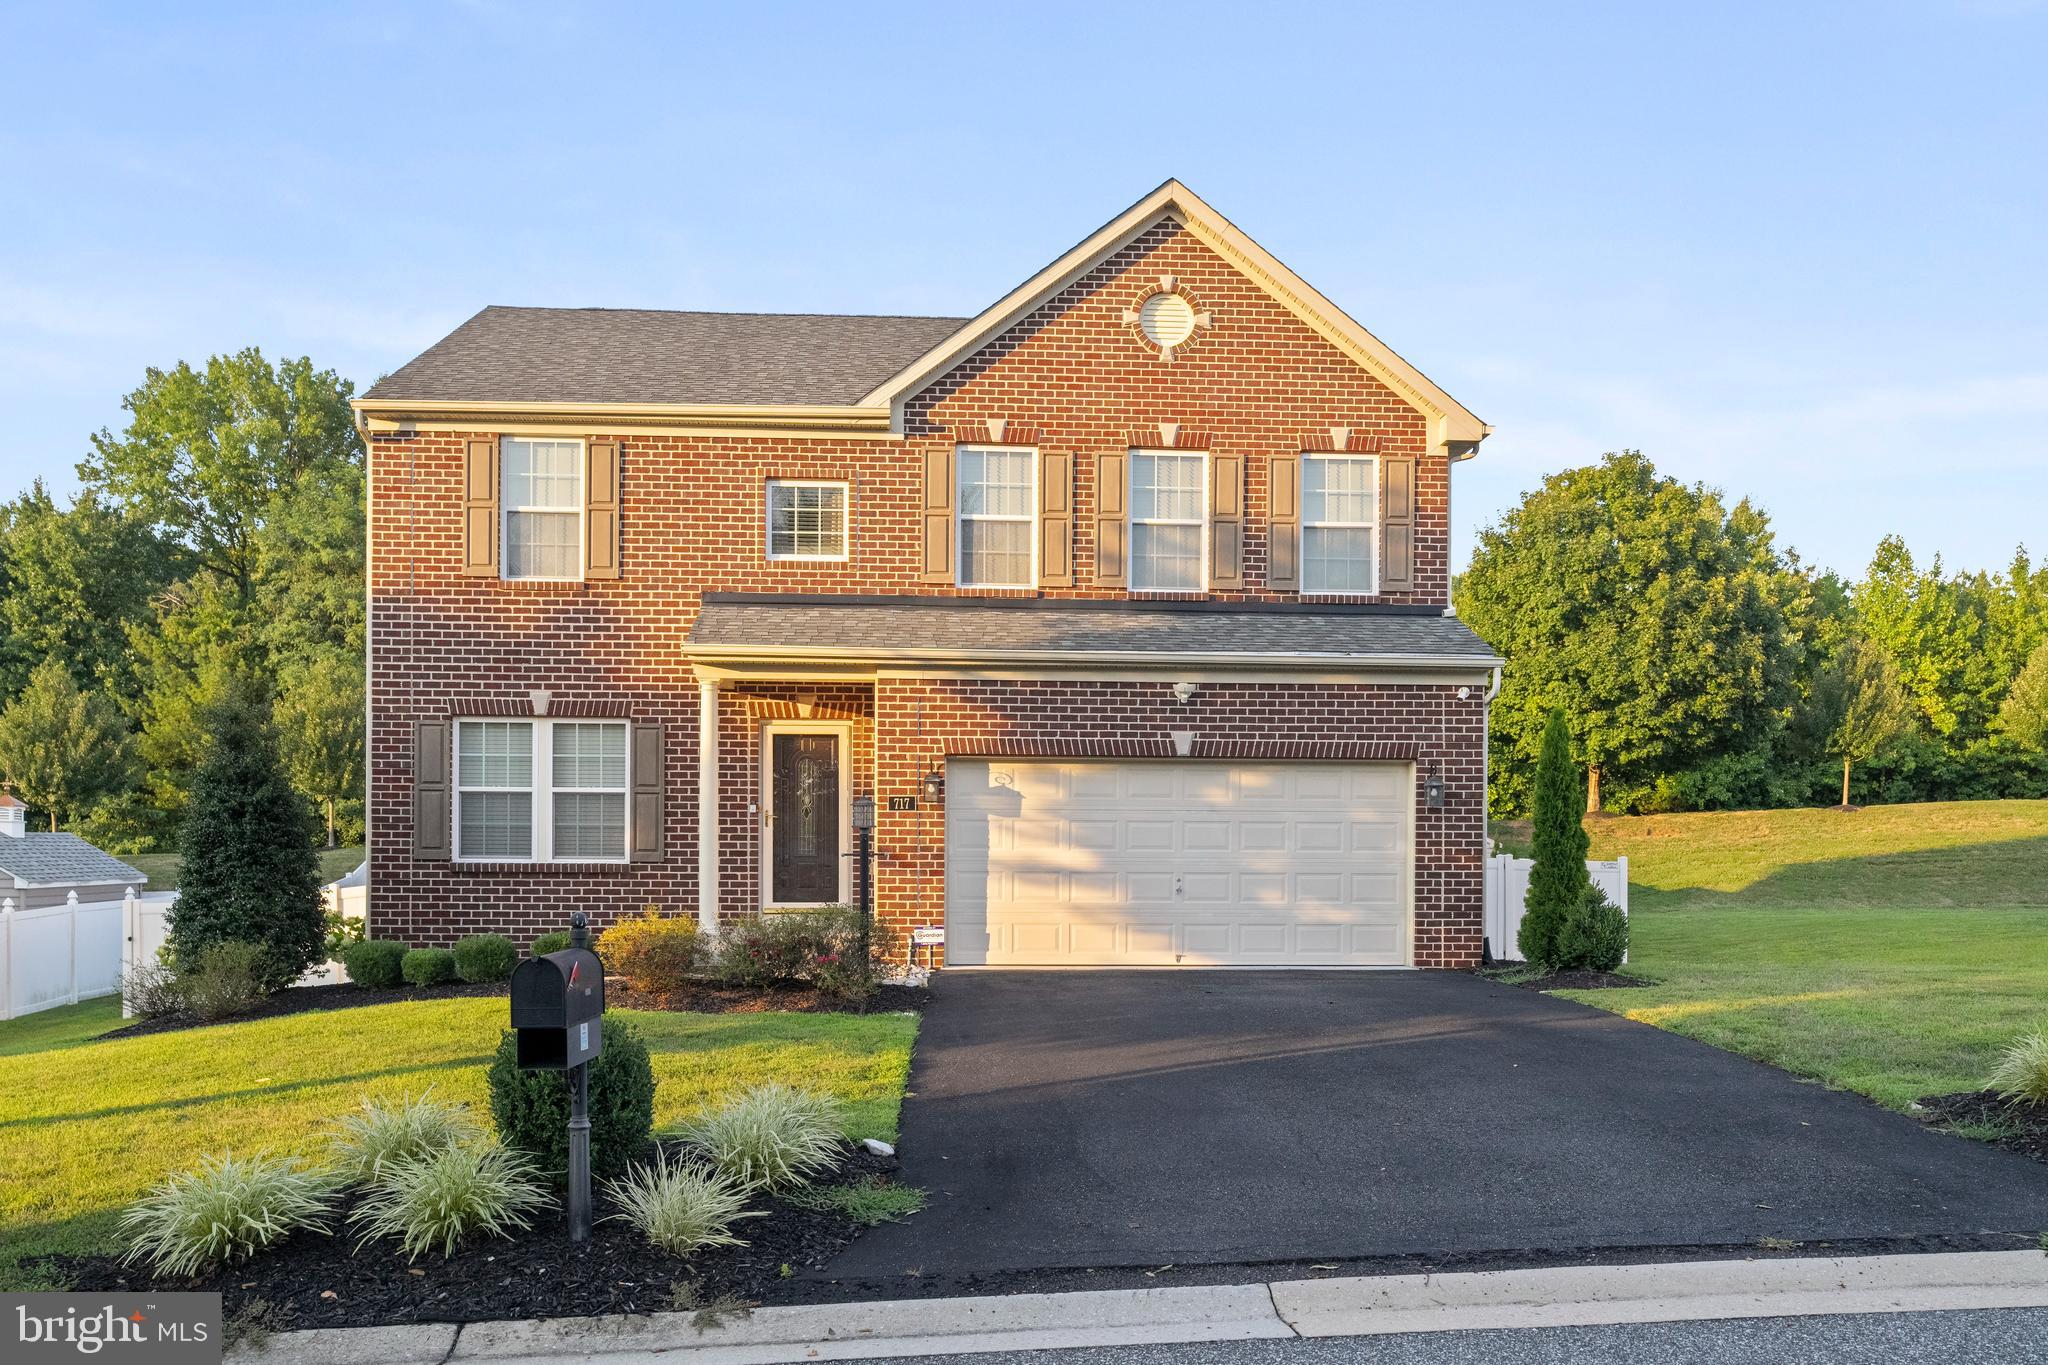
(1338, 523)
(998, 511)
(541, 491)
(541, 791)
(806, 519)
(1169, 520)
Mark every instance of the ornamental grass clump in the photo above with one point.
(2021, 1076)
(680, 1205)
(364, 1143)
(434, 1202)
(772, 1137)
(225, 1210)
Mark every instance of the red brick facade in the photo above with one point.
(1258, 382)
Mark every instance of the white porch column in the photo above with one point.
(707, 805)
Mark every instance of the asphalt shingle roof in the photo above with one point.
(991, 625)
(638, 355)
(61, 858)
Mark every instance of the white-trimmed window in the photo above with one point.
(540, 791)
(1339, 523)
(1169, 520)
(998, 502)
(542, 497)
(806, 519)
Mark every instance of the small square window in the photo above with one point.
(806, 520)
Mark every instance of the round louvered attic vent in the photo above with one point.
(1167, 320)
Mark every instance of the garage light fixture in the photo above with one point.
(1433, 789)
(934, 785)
(1185, 692)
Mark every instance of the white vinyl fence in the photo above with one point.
(1507, 892)
(59, 954)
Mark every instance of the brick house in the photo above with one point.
(1126, 601)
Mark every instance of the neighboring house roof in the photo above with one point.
(739, 625)
(647, 356)
(60, 859)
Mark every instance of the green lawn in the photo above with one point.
(1890, 951)
(64, 1026)
(162, 868)
(93, 1127)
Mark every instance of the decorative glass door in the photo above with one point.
(803, 818)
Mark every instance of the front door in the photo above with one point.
(803, 818)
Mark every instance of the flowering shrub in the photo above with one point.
(657, 955)
(821, 948)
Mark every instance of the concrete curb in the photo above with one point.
(1576, 1296)
(1362, 1306)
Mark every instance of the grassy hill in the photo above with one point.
(1892, 950)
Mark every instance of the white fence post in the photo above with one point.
(7, 958)
(71, 921)
(129, 927)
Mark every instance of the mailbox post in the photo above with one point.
(558, 1020)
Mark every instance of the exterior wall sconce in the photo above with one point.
(934, 785)
(1185, 692)
(1433, 790)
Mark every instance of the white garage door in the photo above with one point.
(1178, 863)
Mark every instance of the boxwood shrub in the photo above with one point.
(428, 967)
(485, 957)
(377, 963)
(554, 941)
(531, 1108)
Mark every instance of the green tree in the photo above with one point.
(77, 580)
(1928, 626)
(63, 749)
(309, 572)
(1860, 706)
(320, 729)
(2023, 715)
(199, 650)
(248, 872)
(1656, 617)
(210, 454)
(1558, 882)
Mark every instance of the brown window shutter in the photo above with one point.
(1226, 520)
(1397, 524)
(1283, 523)
(431, 805)
(601, 510)
(938, 515)
(1112, 567)
(480, 507)
(650, 787)
(1056, 519)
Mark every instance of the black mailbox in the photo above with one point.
(558, 1009)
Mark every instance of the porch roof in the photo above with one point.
(1043, 630)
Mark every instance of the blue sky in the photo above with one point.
(1796, 250)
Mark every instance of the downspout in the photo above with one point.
(1486, 793)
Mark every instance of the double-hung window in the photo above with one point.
(1338, 523)
(542, 498)
(540, 791)
(806, 519)
(1169, 520)
(998, 513)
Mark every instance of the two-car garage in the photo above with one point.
(1179, 863)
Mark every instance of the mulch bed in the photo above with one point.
(1572, 981)
(704, 998)
(312, 1280)
(2025, 1125)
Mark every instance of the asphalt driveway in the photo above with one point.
(1113, 1118)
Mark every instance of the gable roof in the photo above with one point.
(651, 356)
(1450, 420)
(62, 859)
